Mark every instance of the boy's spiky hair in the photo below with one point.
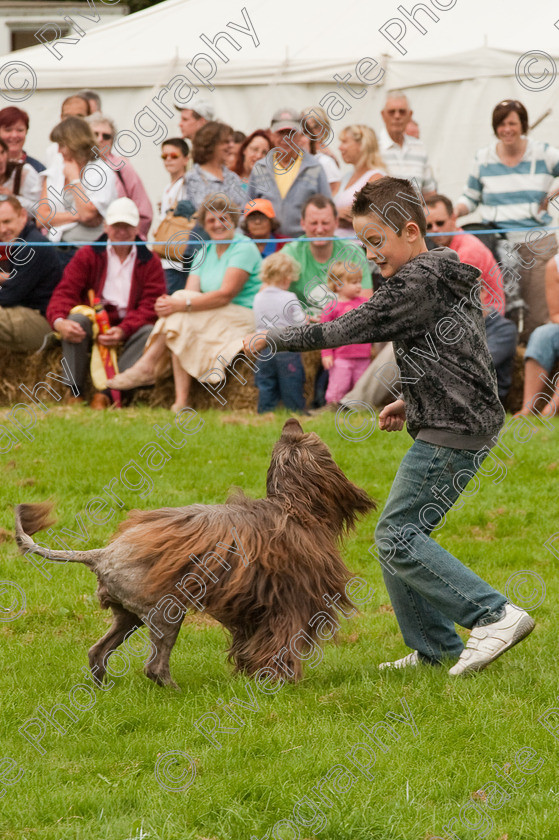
(394, 201)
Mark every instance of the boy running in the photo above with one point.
(431, 309)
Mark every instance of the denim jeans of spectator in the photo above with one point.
(543, 346)
(280, 378)
(174, 280)
(430, 589)
(320, 386)
(502, 338)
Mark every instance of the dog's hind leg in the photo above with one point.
(124, 622)
(157, 669)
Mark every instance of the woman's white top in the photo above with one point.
(344, 196)
(98, 182)
(331, 168)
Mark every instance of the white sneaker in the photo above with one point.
(411, 660)
(487, 643)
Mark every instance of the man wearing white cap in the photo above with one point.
(194, 117)
(127, 278)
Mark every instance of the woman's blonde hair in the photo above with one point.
(338, 274)
(318, 117)
(277, 267)
(367, 139)
(77, 136)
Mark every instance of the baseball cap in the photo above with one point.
(122, 210)
(201, 106)
(285, 118)
(260, 205)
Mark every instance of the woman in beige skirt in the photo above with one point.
(204, 324)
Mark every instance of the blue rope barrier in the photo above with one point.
(283, 240)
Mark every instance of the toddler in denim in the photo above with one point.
(280, 377)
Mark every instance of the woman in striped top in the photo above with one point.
(510, 181)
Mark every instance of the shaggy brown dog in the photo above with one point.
(258, 566)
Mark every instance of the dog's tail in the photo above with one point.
(37, 517)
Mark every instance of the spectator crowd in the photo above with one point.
(256, 231)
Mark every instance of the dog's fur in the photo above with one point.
(265, 563)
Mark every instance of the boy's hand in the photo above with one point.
(327, 362)
(254, 343)
(392, 417)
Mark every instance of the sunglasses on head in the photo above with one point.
(104, 135)
(172, 157)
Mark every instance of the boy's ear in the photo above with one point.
(412, 231)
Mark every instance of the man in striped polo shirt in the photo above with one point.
(404, 156)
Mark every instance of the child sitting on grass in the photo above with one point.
(431, 309)
(281, 377)
(345, 364)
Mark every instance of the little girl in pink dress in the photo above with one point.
(345, 364)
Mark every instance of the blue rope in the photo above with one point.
(284, 240)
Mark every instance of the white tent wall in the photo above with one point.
(452, 77)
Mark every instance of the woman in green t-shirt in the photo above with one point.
(204, 324)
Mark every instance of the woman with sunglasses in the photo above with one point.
(510, 182)
(128, 182)
(174, 154)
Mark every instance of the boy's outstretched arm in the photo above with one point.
(392, 417)
(401, 309)
(355, 327)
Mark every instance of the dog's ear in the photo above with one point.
(292, 430)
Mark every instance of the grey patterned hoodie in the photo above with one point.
(431, 310)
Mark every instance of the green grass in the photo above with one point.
(97, 780)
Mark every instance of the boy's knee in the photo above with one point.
(384, 546)
(388, 528)
(380, 531)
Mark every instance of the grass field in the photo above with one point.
(469, 754)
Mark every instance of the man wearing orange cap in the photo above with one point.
(259, 222)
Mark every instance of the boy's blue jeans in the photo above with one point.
(430, 589)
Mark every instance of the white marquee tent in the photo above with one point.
(455, 72)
